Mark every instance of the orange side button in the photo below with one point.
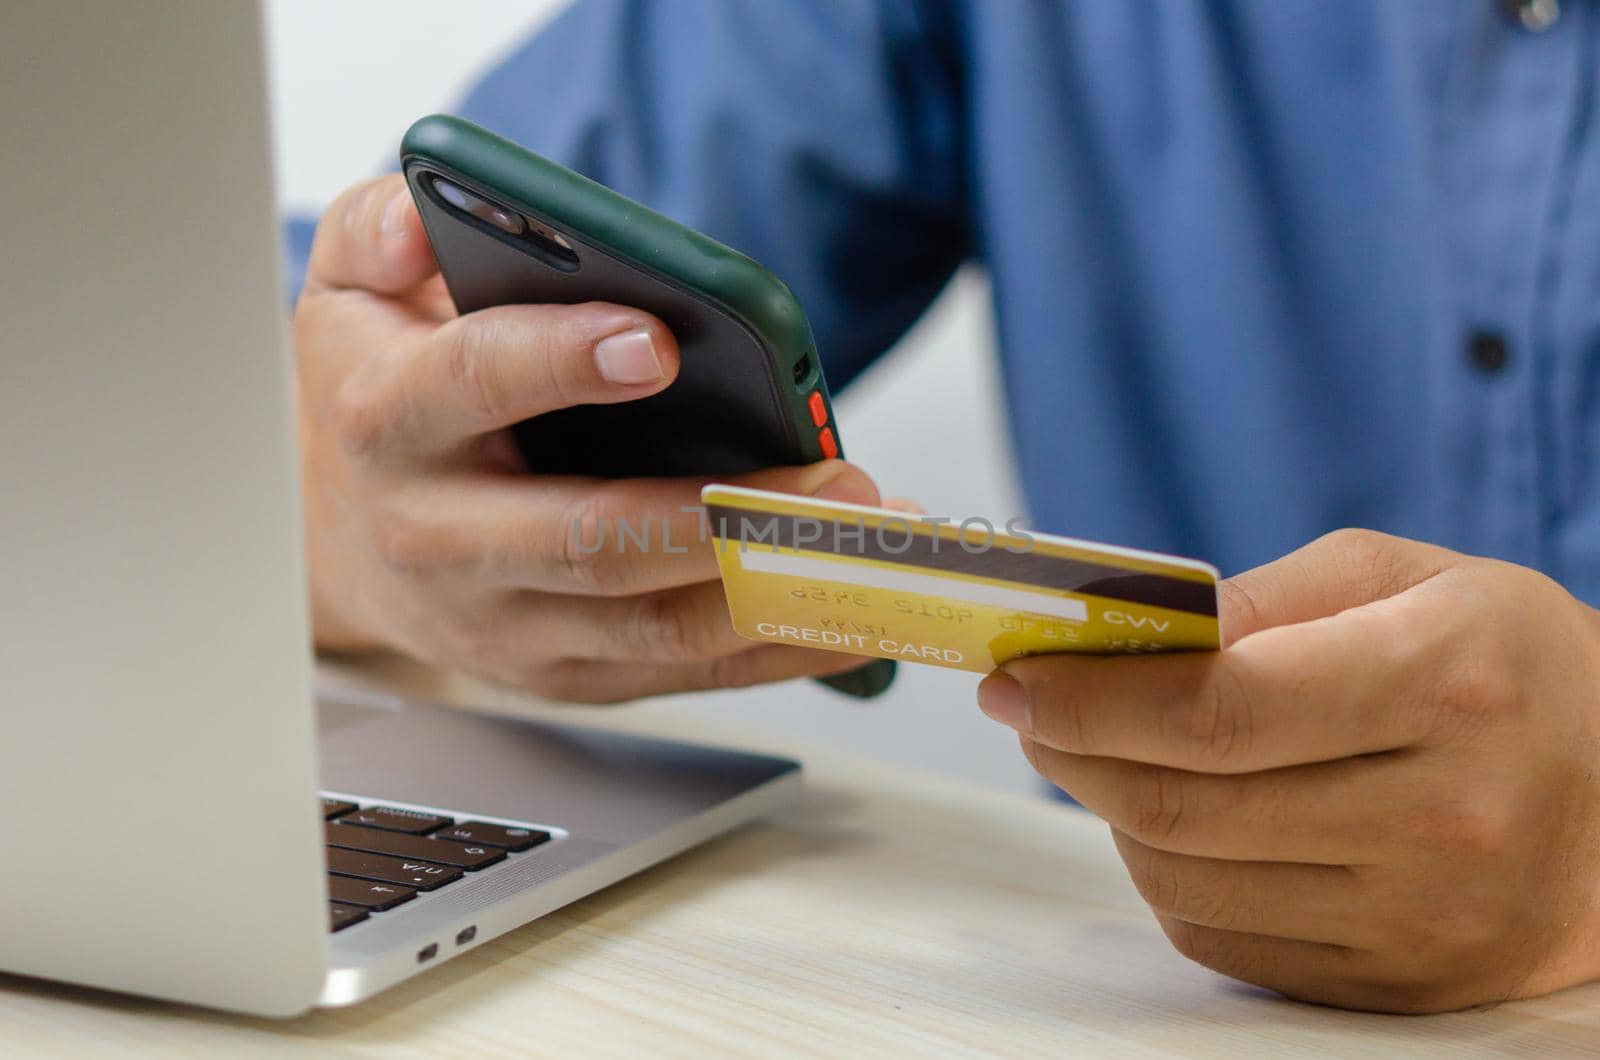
(819, 411)
(830, 448)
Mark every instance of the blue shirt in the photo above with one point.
(1260, 269)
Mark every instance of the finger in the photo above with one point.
(1317, 815)
(371, 238)
(432, 301)
(591, 681)
(1337, 571)
(686, 624)
(1310, 971)
(1312, 903)
(589, 537)
(487, 370)
(1352, 684)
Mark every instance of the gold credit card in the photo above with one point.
(967, 595)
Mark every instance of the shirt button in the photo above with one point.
(1535, 16)
(1488, 351)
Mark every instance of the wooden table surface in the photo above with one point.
(890, 912)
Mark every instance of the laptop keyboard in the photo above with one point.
(380, 857)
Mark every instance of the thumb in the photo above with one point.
(1338, 571)
(371, 238)
(829, 480)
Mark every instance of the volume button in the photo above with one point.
(817, 408)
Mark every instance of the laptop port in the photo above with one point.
(466, 934)
(428, 952)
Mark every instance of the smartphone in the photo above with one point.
(508, 227)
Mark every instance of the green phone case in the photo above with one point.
(750, 390)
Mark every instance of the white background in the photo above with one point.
(926, 421)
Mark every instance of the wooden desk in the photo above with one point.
(892, 911)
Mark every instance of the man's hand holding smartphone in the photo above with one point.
(426, 533)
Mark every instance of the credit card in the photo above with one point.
(968, 595)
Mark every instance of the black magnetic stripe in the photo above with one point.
(763, 530)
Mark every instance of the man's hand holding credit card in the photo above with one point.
(966, 595)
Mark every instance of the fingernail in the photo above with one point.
(629, 358)
(1003, 698)
(394, 215)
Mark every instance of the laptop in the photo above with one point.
(182, 821)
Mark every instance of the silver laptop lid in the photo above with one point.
(156, 760)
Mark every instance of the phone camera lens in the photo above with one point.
(452, 194)
(466, 202)
(550, 235)
(506, 220)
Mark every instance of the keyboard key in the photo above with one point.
(409, 872)
(394, 819)
(469, 857)
(342, 916)
(376, 896)
(482, 833)
(332, 808)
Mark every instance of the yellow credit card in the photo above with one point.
(968, 595)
